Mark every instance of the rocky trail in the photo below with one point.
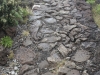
(60, 38)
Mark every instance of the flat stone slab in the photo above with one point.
(25, 56)
(63, 50)
(50, 20)
(54, 58)
(81, 56)
(27, 42)
(24, 68)
(51, 39)
(63, 70)
(73, 72)
(46, 46)
(48, 73)
(43, 64)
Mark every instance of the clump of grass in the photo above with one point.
(96, 14)
(95, 11)
(6, 41)
(11, 55)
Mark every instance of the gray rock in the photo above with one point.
(31, 72)
(70, 64)
(97, 73)
(63, 50)
(43, 64)
(88, 44)
(85, 72)
(69, 45)
(37, 13)
(66, 3)
(46, 31)
(73, 72)
(63, 70)
(59, 17)
(67, 39)
(12, 72)
(69, 27)
(74, 10)
(67, 8)
(25, 68)
(73, 21)
(64, 12)
(78, 15)
(54, 4)
(51, 39)
(50, 20)
(48, 73)
(46, 0)
(81, 56)
(44, 46)
(54, 58)
(34, 29)
(32, 18)
(35, 7)
(63, 35)
(25, 56)
(27, 42)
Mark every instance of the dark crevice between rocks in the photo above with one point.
(4, 57)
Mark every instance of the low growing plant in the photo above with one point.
(11, 55)
(11, 13)
(6, 41)
(95, 11)
(90, 1)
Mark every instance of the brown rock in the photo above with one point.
(25, 68)
(25, 56)
(3, 57)
(11, 31)
(31, 72)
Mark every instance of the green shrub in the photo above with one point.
(11, 13)
(6, 41)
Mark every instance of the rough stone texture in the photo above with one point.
(48, 73)
(72, 21)
(27, 42)
(43, 64)
(25, 68)
(31, 72)
(97, 73)
(54, 58)
(34, 29)
(73, 72)
(63, 50)
(50, 20)
(70, 64)
(69, 27)
(25, 56)
(51, 39)
(81, 56)
(63, 70)
(44, 46)
(58, 30)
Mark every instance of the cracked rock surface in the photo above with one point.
(63, 40)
